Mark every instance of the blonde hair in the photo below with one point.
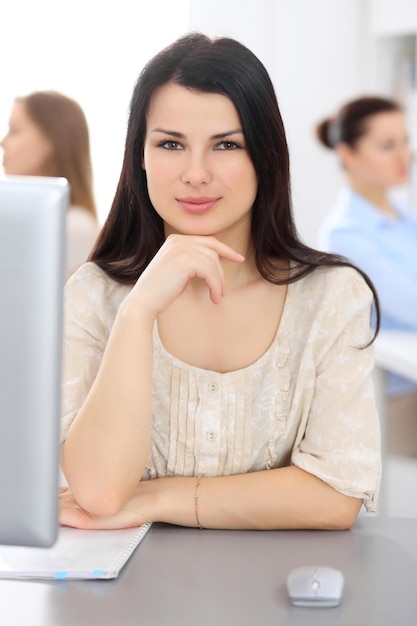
(63, 122)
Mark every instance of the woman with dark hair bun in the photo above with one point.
(48, 136)
(377, 232)
(217, 370)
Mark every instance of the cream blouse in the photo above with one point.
(308, 400)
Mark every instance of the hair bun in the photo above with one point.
(324, 133)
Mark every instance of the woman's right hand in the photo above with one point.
(180, 259)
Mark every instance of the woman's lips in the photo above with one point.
(197, 205)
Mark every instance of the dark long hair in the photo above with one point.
(134, 232)
(350, 122)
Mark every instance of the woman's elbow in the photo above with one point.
(95, 494)
(344, 513)
(101, 504)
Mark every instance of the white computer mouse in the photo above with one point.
(315, 585)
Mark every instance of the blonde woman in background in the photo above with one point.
(48, 136)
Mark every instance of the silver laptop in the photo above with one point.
(32, 228)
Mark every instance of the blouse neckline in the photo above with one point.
(278, 338)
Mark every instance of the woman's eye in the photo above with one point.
(171, 145)
(227, 145)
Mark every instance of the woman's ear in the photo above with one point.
(345, 154)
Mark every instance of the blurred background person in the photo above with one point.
(48, 136)
(377, 232)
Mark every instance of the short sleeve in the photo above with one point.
(341, 440)
(91, 301)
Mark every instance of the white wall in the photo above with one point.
(315, 53)
(91, 50)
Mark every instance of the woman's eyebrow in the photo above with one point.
(235, 131)
(172, 133)
(178, 135)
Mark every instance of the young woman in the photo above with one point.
(48, 136)
(376, 232)
(217, 371)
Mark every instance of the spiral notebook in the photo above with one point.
(77, 554)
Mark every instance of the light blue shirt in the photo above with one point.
(386, 249)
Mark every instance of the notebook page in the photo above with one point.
(77, 554)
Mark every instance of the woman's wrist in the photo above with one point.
(173, 500)
(130, 312)
(197, 501)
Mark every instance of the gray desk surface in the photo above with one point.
(190, 577)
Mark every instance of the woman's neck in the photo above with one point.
(376, 196)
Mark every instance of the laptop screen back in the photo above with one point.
(32, 228)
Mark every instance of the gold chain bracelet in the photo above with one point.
(197, 501)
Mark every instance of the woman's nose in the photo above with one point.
(196, 171)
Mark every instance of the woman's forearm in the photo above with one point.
(275, 499)
(107, 446)
(286, 498)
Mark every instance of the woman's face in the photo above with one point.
(381, 158)
(200, 177)
(25, 147)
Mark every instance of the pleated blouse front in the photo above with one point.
(218, 424)
(308, 400)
